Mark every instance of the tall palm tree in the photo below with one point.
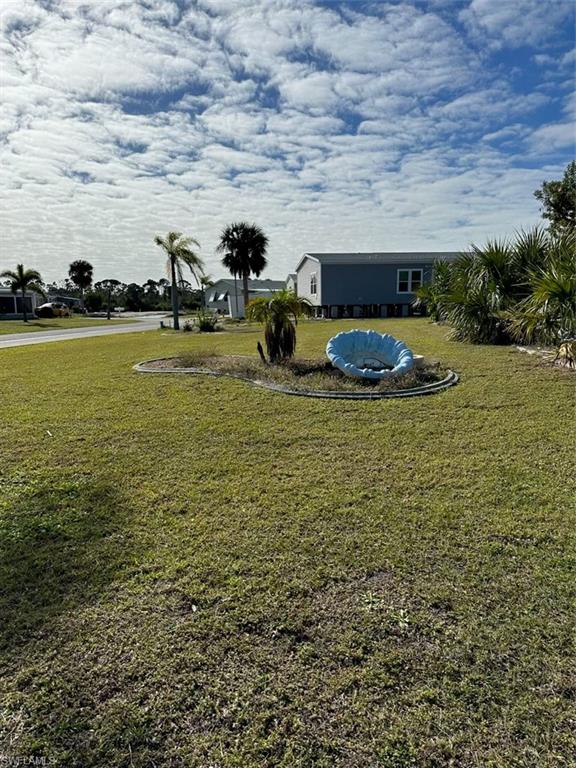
(180, 254)
(244, 247)
(24, 280)
(80, 273)
(279, 315)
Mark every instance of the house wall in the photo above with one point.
(257, 288)
(236, 308)
(219, 287)
(11, 305)
(305, 271)
(365, 283)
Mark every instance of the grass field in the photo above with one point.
(199, 573)
(54, 324)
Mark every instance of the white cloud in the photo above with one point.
(518, 22)
(550, 138)
(374, 127)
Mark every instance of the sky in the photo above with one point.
(335, 126)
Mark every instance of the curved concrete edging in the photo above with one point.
(427, 389)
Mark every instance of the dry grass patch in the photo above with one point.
(299, 375)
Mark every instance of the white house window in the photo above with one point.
(313, 284)
(409, 280)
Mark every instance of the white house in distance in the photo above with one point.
(226, 296)
(365, 284)
(11, 304)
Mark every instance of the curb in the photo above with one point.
(450, 380)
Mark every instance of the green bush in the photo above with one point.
(206, 321)
(523, 290)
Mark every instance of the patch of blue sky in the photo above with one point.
(153, 102)
(80, 176)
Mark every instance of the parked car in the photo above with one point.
(53, 309)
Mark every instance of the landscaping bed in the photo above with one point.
(298, 375)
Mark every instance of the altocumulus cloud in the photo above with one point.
(334, 125)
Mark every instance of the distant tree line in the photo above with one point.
(151, 295)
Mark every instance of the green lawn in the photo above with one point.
(54, 324)
(200, 573)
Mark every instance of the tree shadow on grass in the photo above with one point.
(32, 324)
(61, 543)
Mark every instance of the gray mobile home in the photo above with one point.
(365, 284)
(11, 303)
(226, 297)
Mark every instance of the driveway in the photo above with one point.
(146, 323)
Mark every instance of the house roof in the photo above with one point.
(378, 257)
(5, 290)
(253, 285)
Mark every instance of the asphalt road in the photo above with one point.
(63, 334)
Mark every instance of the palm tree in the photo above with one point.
(24, 280)
(548, 312)
(279, 315)
(205, 282)
(484, 283)
(179, 253)
(244, 247)
(432, 295)
(523, 290)
(80, 273)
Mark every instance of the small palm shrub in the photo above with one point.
(508, 291)
(432, 296)
(206, 321)
(547, 314)
(279, 315)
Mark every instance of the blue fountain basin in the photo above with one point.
(369, 354)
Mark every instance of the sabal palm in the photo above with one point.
(433, 295)
(244, 247)
(524, 290)
(179, 255)
(548, 313)
(24, 280)
(279, 315)
(483, 283)
(80, 272)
